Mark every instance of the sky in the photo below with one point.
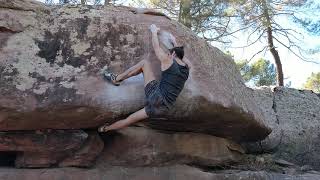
(295, 70)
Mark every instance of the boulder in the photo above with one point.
(34, 149)
(178, 172)
(130, 147)
(136, 146)
(51, 61)
(39, 159)
(87, 154)
(295, 120)
(37, 141)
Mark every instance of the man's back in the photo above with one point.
(172, 81)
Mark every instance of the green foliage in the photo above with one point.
(261, 20)
(228, 53)
(245, 69)
(261, 72)
(308, 16)
(313, 82)
(207, 18)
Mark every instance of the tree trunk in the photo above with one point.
(185, 13)
(273, 50)
(106, 2)
(83, 1)
(180, 10)
(276, 57)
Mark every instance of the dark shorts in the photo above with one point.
(155, 103)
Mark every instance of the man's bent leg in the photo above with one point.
(133, 118)
(143, 66)
(132, 71)
(148, 73)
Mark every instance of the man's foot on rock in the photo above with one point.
(111, 77)
(103, 128)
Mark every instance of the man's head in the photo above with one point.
(179, 52)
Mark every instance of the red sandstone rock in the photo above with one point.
(48, 148)
(42, 141)
(132, 147)
(39, 159)
(86, 156)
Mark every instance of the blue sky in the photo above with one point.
(295, 70)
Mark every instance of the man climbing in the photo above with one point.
(160, 95)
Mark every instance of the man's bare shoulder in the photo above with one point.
(166, 63)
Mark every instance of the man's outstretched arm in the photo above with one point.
(161, 55)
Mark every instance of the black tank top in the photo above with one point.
(172, 81)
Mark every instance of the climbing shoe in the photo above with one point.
(111, 77)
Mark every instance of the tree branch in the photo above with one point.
(297, 55)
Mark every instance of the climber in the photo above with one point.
(160, 95)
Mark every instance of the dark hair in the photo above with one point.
(178, 50)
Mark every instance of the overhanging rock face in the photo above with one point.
(51, 62)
